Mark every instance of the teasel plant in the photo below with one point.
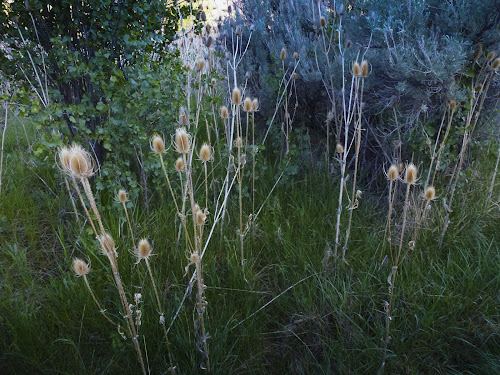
(79, 164)
(480, 85)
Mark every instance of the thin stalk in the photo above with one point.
(101, 310)
(129, 224)
(492, 185)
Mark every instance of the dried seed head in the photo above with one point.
(236, 96)
(341, 10)
(453, 104)
(294, 75)
(200, 218)
(80, 162)
(411, 174)
(364, 68)
(107, 243)
(496, 63)
(213, 81)
(255, 105)
(478, 52)
(239, 142)
(322, 21)
(122, 196)
(179, 165)
(337, 34)
(295, 55)
(243, 159)
(430, 193)
(491, 55)
(247, 105)
(203, 16)
(194, 258)
(143, 250)
(188, 67)
(283, 54)
(339, 148)
(208, 28)
(199, 65)
(356, 69)
(348, 44)
(182, 141)
(183, 117)
(224, 113)
(400, 167)
(64, 158)
(392, 173)
(80, 267)
(209, 42)
(205, 153)
(157, 144)
(239, 30)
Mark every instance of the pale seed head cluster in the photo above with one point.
(182, 141)
(80, 267)
(157, 144)
(410, 174)
(205, 153)
(122, 196)
(75, 161)
(392, 173)
(143, 250)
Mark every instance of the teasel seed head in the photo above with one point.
(143, 250)
(491, 55)
(209, 42)
(183, 117)
(157, 144)
(322, 21)
(365, 69)
(337, 34)
(213, 81)
(205, 153)
(107, 244)
(478, 52)
(239, 142)
(199, 65)
(410, 174)
(224, 113)
(356, 69)
(339, 148)
(179, 165)
(195, 257)
(182, 141)
(80, 267)
(496, 63)
(200, 218)
(295, 55)
(208, 28)
(64, 158)
(283, 54)
(122, 196)
(243, 159)
(430, 193)
(247, 105)
(348, 44)
(80, 162)
(294, 75)
(392, 173)
(255, 105)
(453, 104)
(236, 96)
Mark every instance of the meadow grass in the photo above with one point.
(317, 320)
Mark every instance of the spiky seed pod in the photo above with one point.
(255, 105)
(294, 75)
(348, 44)
(188, 67)
(122, 196)
(143, 250)
(157, 144)
(478, 52)
(196, 207)
(195, 257)
(411, 174)
(491, 55)
(295, 55)
(356, 69)
(205, 153)
(239, 30)
(200, 218)
(239, 142)
(392, 173)
(236, 96)
(400, 167)
(496, 63)
(182, 141)
(80, 267)
(283, 54)
(430, 193)
(179, 165)
(339, 148)
(107, 243)
(224, 113)
(199, 65)
(322, 21)
(247, 105)
(337, 34)
(208, 28)
(213, 81)
(183, 117)
(80, 162)
(209, 42)
(243, 159)
(203, 16)
(364, 68)
(453, 104)
(64, 156)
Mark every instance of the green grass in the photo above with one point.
(446, 315)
